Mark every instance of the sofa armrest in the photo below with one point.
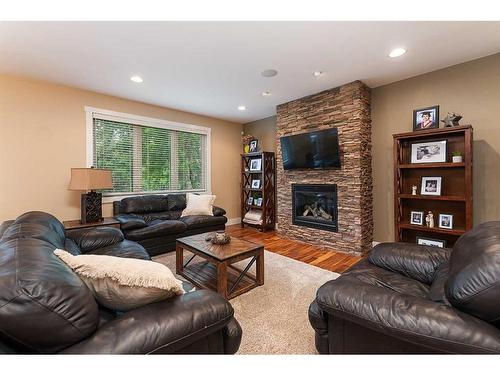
(130, 221)
(418, 262)
(218, 211)
(163, 327)
(405, 317)
(95, 238)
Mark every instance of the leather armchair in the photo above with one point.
(46, 308)
(407, 298)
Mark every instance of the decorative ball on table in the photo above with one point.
(218, 238)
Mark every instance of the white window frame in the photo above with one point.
(91, 112)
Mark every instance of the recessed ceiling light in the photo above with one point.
(266, 93)
(396, 52)
(269, 73)
(136, 79)
(317, 73)
(242, 108)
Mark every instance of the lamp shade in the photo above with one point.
(90, 179)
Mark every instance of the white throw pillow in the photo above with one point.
(123, 283)
(199, 205)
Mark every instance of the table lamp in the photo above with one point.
(89, 179)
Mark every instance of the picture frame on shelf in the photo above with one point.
(417, 217)
(446, 221)
(255, 184)
(429, 152)
(430, 241)
(258, 202)
(253, 145)
(426, 118)
(431, 186)
(250, 201)
(255, 165)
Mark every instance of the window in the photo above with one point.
(148, 155)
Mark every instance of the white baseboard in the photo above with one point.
(375, 243)
(233, 221)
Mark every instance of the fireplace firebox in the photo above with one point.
(315, 206)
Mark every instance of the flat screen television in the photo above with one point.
(314, 150)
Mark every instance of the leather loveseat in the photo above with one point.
(46, 308)
(408, 298)
(155, 221)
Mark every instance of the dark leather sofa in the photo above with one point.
(407, 298)
(46, 308)
(155, 221)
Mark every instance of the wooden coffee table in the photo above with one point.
(217, 271)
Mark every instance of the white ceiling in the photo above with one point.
(211, 68)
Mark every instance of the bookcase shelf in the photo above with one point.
(456, 185)
(267, 190)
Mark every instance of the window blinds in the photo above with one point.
(147, 159)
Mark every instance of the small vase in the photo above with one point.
(456, 159)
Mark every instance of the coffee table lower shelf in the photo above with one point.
(203, 274)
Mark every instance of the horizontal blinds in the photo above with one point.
(147, 159)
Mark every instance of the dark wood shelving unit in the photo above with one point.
(267, 191)
(456, 185)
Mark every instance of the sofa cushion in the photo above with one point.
(370, 274)
(176, 202)
(144, 204)
(473, 284)
(201, 221)
(157, 228)
(123, 283)
(130, 221)
(123, 249)
(164, 215)
(95, 238)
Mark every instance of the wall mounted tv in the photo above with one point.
(315, 150)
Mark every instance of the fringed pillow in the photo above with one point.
(122, 283)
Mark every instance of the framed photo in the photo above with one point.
(430, 242)
(428, 152)
(445, 221)
(426, 118)
(255, 184)
(258, 202)
(253, 145)
(431, 186)
(250, 201)
(255, 164)
(417, 217)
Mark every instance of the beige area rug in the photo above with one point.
(274, 316)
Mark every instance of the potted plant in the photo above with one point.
(456, 157)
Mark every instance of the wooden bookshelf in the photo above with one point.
(456, 185)
(267, 190)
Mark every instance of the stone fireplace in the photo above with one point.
(348, 109)
(315, 206)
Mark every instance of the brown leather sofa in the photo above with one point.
(155, 221)
(408, 298)
(46, 308)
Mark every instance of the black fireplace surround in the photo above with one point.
(315, 206)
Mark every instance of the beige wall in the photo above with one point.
(471, 89)
(265, 131)
(42, 135)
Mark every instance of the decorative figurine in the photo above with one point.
(451, 119)
(429, 219)
(414, 190)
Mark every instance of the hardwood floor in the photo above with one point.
(327, 259)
